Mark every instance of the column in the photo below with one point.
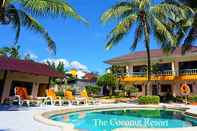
(130, 69)
(35, 89)
(127, 70)
(6, 88)
(175, 68)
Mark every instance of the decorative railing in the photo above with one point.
(143, 74)
(160, 73)
(188, 72)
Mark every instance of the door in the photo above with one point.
(154, 90)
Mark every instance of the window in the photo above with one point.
(139, 88)
(166, 88)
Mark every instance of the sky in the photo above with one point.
(78, 45)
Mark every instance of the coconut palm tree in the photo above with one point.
(17, 13)
(12, 52)
(187, 28)
(148, 18)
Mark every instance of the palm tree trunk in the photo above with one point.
(147, 46)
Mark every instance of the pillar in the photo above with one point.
(175, 68)
(35, 89)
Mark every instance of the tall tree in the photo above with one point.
(187, 28)
(17, 13)
(108, 80)
(148, 18)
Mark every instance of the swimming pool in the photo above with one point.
(107, 120)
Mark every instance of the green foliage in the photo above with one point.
(187, 26)
(148, 18)
(12, 52)
(58, 67)
(193, 98)
(131, 90)
(149, 100)
(107, 79)
(18, 17)
(93, 89)
(60, 93)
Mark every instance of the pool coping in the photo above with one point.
(43, 117)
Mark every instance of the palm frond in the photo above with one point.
(138, 35)
(119, 10)
(166, 11)
(51, 7)
(15, 20)
(120, 30)
(33, 25)
(163, 34)
(144, 4)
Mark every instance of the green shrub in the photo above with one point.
(149, 100)
(93, 89)
(60, 93)
(193, 98)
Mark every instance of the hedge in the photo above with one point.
(149, 100)
(193, 98)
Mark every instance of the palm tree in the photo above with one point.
(12, 52)
(148, 18)
(187, 28)
(17, 13)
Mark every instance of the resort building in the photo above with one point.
(169, 71)
(24, 73)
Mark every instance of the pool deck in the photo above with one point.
(32, 120)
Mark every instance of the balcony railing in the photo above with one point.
(143, 74)
(188, 72)
(159, 73)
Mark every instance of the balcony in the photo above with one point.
(142, 76)
(186, 74)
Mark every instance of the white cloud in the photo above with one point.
(77, 65)
(31, 54)
(68, 65)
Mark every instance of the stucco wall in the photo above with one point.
(16, 76)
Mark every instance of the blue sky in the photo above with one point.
(74, 40)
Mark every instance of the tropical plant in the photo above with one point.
(187, 28)
(12, 52)
(148, 18)
(93, 89)
(56, 66)
(108, 80)
(17, 13)
(131, 90)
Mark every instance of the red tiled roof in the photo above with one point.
(90, 76)
(27, 66)
(155, 53)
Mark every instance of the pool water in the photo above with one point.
(130, 118)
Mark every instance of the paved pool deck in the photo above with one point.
(24, 120)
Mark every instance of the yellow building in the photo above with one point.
(169, 72)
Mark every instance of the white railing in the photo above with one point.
(188, 72)
(142, 74)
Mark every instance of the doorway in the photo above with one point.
(155, 90)
(42, 90)
(27, 85)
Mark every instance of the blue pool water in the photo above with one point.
(130, 118)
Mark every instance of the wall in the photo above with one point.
(36, 80)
